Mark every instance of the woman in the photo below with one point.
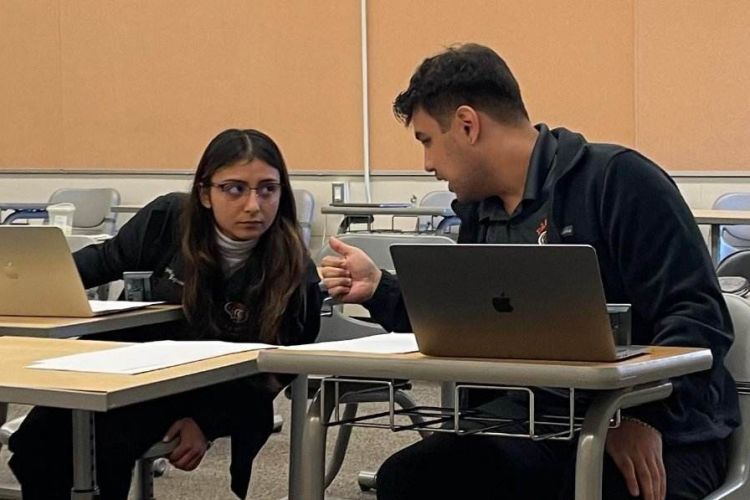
(231, 253)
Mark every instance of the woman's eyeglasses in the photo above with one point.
(236, 190)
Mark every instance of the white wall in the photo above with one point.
(137, 189)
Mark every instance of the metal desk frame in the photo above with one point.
(624, 384)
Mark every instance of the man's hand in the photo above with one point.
(351, 276)
(636, 450)
(192, 447)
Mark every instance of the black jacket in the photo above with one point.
(651, 255)
(242, 408)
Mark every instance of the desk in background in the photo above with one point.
(717, 218)
(126, 209)
(60, 328)
(352, 214)
(86, 393)
(619, 385)
(23, 211)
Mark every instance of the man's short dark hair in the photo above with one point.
(468, 74)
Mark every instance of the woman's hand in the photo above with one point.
(193, 444)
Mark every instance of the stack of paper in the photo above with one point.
(139, 358)
(387, 343)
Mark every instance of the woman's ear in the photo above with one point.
(205, 198)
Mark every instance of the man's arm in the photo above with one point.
(667, 275)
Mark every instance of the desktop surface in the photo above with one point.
(100, 391)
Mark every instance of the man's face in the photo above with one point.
(448, 155)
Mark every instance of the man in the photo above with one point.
(519, 183)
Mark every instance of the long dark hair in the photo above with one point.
(281, 249)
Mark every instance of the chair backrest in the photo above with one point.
(735, 236)
(736, 264)
(440, 225)
(377, 245)
(93, 213)
(305, 212)
(736, 484)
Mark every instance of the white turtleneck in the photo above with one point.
(233, 253)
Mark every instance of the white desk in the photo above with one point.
(23, 211)
(86, 393)
(59, 328)
(367, 213)
(621, 385)
(717, 218)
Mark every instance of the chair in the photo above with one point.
(735, 264)
(335, 325)
(93, 213)
(305, 212)
(733, 238)
(445, 225)
(737, 484)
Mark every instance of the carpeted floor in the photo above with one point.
(367, 449)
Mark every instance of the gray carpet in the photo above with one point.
(367, 449)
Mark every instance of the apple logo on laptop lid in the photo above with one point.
(10, 271)
(502, 304)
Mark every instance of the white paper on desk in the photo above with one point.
(386, 343)
(148, 356)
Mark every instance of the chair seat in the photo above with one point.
(8, 428)
(161, 449)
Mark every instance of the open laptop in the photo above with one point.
(507, 301)
(39, 278)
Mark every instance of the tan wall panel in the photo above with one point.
(574, 62)
(29, 83)
(693, 83)
(147, 84)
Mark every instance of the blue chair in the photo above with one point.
(446, 226)
(733, 238)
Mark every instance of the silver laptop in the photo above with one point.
(507, 301)
(39, 278)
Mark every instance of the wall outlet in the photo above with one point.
(340, 192)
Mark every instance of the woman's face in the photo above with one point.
(244, 198)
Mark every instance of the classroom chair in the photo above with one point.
(735, 264)
(733, 238)
(305, 204)
(736, 485)
(93, 213)
(446, 226)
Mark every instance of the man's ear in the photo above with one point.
(468, 119)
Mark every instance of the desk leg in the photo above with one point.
(310, 483)
(594, 433)
(714, 236)
(84, 456)
(299, 412)
(447, 394)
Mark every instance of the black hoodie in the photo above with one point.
(651, 255)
